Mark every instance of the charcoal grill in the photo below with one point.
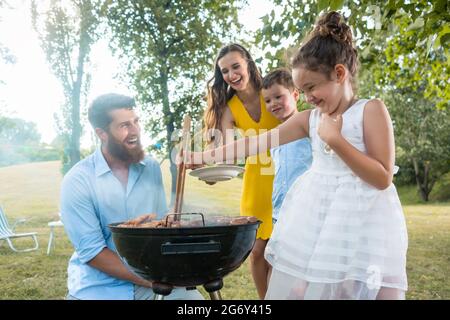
(185, 256)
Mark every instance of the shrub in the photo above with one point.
(441, 191)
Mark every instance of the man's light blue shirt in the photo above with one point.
(291, 160)
(91, 198)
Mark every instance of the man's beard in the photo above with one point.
(119, 151)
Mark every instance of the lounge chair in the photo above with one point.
(7, 233)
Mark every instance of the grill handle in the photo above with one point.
(169, 248)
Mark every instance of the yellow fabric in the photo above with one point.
(258, 177)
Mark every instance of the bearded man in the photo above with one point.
(116, 183)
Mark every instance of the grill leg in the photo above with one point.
(215, 295)
(158, 297)
(161, 290)
(213, 288)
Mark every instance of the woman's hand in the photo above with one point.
(329, 128)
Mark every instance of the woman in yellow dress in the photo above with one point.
(234, 100)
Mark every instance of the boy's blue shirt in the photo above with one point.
(291, 160)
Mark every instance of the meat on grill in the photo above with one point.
(150, 221)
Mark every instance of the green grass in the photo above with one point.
(32, 191)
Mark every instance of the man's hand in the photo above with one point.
(109, 262)
(146, 283)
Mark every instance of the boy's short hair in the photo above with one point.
(281, 76)
(98, 113)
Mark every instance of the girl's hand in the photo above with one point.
(194, 160)
(329, 128)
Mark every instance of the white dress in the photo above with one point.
(338, 237)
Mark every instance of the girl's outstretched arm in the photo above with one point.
(376, 167)
(296, 127)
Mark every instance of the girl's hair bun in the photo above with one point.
(328, 44)
(333, 24)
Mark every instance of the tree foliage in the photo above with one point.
(18, 131)
(67, 31)
(169, 47)
(20, 142)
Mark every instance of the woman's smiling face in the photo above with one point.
(234, 70)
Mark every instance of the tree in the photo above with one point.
(20, 142)
(169, 47)
(18, 132)
(422, 136)
(67, 31)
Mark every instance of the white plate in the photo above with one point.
(217, 173)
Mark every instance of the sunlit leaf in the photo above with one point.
(336, 4)
(417, 24)
(322, 4)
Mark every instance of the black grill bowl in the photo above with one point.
(184, 256)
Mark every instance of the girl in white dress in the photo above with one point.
(341, 233)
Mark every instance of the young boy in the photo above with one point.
(291, 159)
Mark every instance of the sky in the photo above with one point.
(30, 90)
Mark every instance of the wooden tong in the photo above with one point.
(181, 172)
